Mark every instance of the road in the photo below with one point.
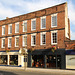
(34, 71)
(9, 72)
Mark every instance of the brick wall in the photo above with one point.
(59, 9)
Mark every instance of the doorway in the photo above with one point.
(53, 61)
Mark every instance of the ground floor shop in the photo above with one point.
(47, 59)
(70, 59)
(13, 57)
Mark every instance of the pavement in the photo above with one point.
(39, 70)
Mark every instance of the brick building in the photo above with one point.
(38, 31)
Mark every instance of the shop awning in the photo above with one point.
(70, 52)
(47, 52)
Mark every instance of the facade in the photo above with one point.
(37, 32)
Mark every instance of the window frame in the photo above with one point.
(15, 41)
(23, 25)
(51, 20)
(32, 25)
(52, 37)
(23, 40)
(9, 28)
(2, 43)
(31, 39)
(15, 27)
(41, 38)
(8, 42)
(43, 17)
(2, 30)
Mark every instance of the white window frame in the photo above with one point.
(31, 23)
(52, 37)
(2, 30)
(51, 20)
(23, 26)
(31, 39)
(2, 43)
(15, 41)
(8, 42)
(41, 38)
(15, 27)
(23, 40)
(44, 17)
(9, 28)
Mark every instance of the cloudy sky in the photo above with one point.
(11, 8)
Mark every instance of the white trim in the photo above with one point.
(9, 28)
(23, 25)
(2, 42)
(43, 17)
(51, 20)
(41, 38)
(35, 39)
(2, 30)
(31, 23)
(15, 27)
(8, 42)
(52, 37)
(23, 40)
(15, 41)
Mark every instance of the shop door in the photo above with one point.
(53, 61)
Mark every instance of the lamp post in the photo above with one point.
(25, 51)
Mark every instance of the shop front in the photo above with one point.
(11, 58)
(47, 59)
(70, 59)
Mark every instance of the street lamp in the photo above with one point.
(25, 50)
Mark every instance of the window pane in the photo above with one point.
(54, 36)
(10, 42)
(54, 20)
(24, 40)
(3, 43)
(25, 26)
(34, 24)
(33, 40)
(17, 41)
(17, 27)
(43, 23)
(3, 30)
(43, 39)
(10, 29)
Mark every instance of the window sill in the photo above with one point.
(43, 28)
(53, 43)
(33, 45)
(53, 26)
(33, 29)
(16, 46)
(16, 32)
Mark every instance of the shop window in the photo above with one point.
(24, 26)
(10, 29)
(3, 30)
(17, 41)
(43, 22)
(54, 37)
(43, 38)
(3, 42)
(17, 27)
(33, 39)
(13, 59)
(24, 40)
(33, 24)
(3, 59)
(54, 20)
(9, 41)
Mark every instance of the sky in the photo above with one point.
(12, 8)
